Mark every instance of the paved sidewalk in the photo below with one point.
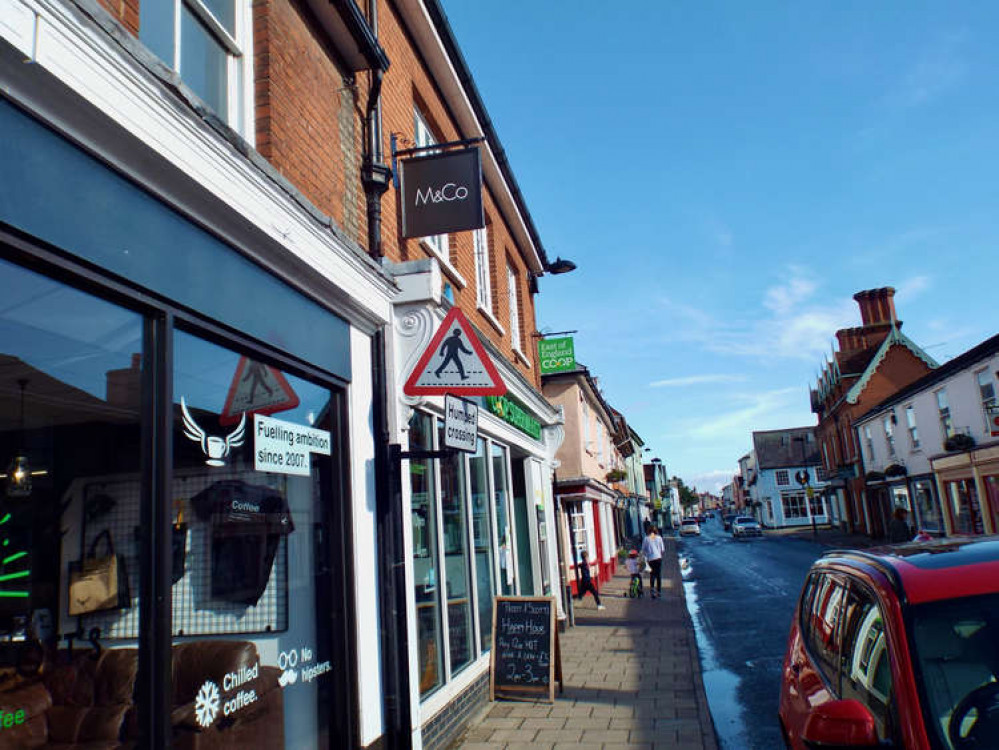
(632, 680)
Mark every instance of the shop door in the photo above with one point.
(522, 517)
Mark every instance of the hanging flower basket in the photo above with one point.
(959, 442)
(616, 475)
(896, 470)
(875, 476)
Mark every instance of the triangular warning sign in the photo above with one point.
(258, 389)
(454, 362)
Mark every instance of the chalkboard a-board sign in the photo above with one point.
(525, 658)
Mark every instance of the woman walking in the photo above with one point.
(652, 551)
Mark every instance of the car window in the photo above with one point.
(820, 624)
(865, 665)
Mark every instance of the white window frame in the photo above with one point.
(910, 420)
(869, 440)
(513, 297)
(889, 434)
(483, 282)
(424, 136)
(783, 477)
(239, 58)
(987, 401)
(943, 409)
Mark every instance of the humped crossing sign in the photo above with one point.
(454, 362)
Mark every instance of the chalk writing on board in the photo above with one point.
(522, 655)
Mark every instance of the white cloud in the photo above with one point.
(786, 297)
(937, 71)
(710, 481)
(696, 380)
(911, 288)
(776, 408)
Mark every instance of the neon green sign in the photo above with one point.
(556, 355)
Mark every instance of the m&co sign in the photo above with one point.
(556, 355)
(441, 193)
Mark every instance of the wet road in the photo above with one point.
(742, 595)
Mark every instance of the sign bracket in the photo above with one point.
(401, 455)
(425, 149)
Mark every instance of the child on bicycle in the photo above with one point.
(635, 588)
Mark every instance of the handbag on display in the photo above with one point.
(98, 583)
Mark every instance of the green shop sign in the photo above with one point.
(556, 355)
(508, 411)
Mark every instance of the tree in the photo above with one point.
(688, 496)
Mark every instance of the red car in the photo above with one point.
(896, 647)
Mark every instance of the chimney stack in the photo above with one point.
(877, 306)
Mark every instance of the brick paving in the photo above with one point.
(632, 680)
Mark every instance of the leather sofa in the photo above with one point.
(87, 702)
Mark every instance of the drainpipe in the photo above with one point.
(375, 176)
(391, 563)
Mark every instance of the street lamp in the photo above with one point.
(561, 265)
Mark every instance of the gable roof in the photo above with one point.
(895, 337)
(963, 361)
(784, 448)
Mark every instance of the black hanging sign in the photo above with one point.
(441, 193)
(525, 656)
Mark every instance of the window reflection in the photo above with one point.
(478, 468)
(456, 558)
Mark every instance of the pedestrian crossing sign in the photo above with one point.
(257, 388)
(454, 362)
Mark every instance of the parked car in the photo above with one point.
(727, 520)
(746, 526)
(690, 527)
(896, 647)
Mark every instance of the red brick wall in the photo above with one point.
(308, 112)
(126, 11)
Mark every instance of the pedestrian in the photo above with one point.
(898, 529)
(586, 582)
(652, 551)
(635, 568)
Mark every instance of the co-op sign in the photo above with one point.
(441, 193)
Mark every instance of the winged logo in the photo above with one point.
(216, 448)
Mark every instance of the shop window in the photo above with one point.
(457, 580)
(910, 420)
(482, 538)
(992, 498)
(207, 43)
(816, 506)
(426, 555)
(252, 571)
(926, 506)
(965, 512)
(70, 393)
(793, 505)
(501, 495)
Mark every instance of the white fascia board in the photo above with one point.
(446, 78)
(91, 86)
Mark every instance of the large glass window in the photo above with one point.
(457, 579)
(426, 560)
(965, 513)
(70, 394)
(926, 505)
(206, 42)
(503, 531)
(793, 505)
(252, 569)
(482, 538)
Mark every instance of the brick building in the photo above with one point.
(210, 186)
(873, 361)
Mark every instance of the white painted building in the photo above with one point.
(785, 479)
(929, 448)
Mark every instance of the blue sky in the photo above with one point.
(728, 174)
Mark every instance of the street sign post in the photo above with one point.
(461, 424)
(454, 362)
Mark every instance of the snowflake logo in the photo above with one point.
(206, 704)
